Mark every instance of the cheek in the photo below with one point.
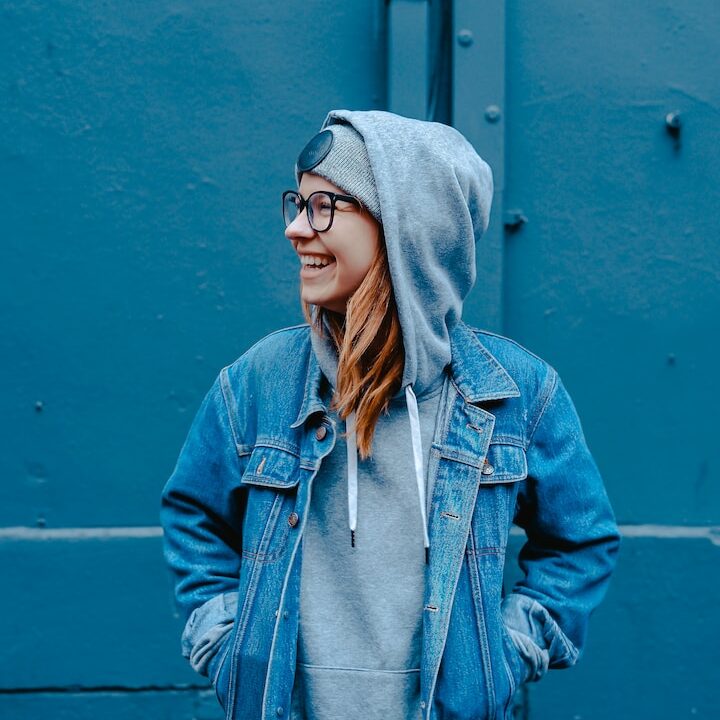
(356, 267)
(356, 256)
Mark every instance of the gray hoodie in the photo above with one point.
(361, 607)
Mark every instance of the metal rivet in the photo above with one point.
(488, 469)
(293, 519)
(285, 614)
(465, 37)
(492, 113)
(279, 711)
(514, 219)
(422, 705)
(673, 122)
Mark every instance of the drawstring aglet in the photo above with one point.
(352, 538)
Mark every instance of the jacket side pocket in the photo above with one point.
(218, 668)
(520, 618)
(206, 629)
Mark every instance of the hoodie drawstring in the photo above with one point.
(418, 458)
(352, 475)
(414, 417)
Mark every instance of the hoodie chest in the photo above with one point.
(388, 511)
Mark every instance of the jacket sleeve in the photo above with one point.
(572, 540)
(201, 516)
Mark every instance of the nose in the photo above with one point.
(299, 228)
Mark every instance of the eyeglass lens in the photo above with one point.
(319, 208)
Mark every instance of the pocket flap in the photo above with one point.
(272, 467)
(504, 464)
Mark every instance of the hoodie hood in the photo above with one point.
(435, 196)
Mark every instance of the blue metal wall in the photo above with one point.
(615, 279)
(143, 148)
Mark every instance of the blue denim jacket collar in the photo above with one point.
(312, 401)
(477, 374)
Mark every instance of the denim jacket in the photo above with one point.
(508, 448)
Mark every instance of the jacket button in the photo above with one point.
(279, 711)
(293, 519)
(321, 432)
(286, 614)
(488, 469)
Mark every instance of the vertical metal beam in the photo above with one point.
(440, 52)
(408, 57)
(478, 108)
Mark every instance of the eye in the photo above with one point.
(322, 205)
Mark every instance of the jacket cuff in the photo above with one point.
(206, 628)
(538, 638)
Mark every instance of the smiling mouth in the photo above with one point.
(312, 264)
(309, 271)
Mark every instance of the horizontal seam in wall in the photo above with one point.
(80, 689)
(86, 533)
(673, 532)
(664, 532)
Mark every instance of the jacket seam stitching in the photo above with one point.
(451, 601)
(520, 346)
(226, 390)
(274, 332)
(552, 383)
(481, 618)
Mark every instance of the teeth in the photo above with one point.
(314, 261)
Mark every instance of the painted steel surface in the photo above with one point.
(615, 277)
(143, 149)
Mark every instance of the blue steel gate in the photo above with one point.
(143, 149)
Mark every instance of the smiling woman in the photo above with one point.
(335, 235)
(388, 417)
(351, 297)
(336, 260)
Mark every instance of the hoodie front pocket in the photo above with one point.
(271, 477)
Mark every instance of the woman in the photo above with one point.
(338, 516)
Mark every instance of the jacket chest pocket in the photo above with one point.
(505, 467)
(270, 478)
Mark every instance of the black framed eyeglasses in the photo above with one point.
(320, 207)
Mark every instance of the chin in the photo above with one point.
(332, 307)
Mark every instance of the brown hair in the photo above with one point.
(371, 355)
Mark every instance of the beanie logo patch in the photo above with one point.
(315, 151)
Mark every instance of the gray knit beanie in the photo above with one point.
(338, 154)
